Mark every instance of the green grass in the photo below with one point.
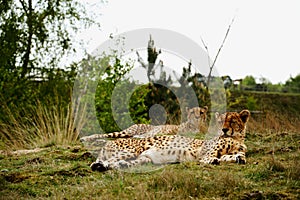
(60, 172)
(61, 169)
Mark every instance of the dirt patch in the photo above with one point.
(15, 177)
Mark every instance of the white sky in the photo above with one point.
(264, 40)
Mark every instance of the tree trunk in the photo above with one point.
(26, 57)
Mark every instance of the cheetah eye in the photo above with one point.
(235, 125)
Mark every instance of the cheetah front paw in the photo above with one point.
(98, 166)
(241, 160)
(215, 161)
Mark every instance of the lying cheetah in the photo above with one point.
(228, 146)
(195, 117)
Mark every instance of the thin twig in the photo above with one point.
(24, 6)
(215, 60)
(207, 51)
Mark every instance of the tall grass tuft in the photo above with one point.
(273, 121)
(41, 126)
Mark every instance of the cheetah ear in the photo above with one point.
(244, 115)
(206, 108)
(217, 115)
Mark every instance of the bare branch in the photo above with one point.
(206, 48)
(24, 6)
(223, 42)
(214, 62)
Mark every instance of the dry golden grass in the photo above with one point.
(276, 122)
(46, 126)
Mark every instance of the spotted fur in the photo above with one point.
(195, 117)
(228, 146)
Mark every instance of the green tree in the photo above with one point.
(111, 76)
(34, 36)
(152, 57)
(118, 99)
(293, 84)
(249, 81)
(159, 85)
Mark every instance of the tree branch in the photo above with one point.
(206, 48)
(24, 6)
(26, 57)
(215, 60)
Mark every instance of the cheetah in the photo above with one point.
(195, 118)
(227, 146)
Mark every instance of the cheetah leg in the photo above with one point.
(108, 159)
(239, 158)
(114, 164)
(119, 160)
(103, 165)
(127, 164)
(210, 160)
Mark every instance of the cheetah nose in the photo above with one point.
(225, 130)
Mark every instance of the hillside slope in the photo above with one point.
(272, 111)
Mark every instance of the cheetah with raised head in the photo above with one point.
(227, 146)
(195, 118)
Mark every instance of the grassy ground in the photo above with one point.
(60, 172)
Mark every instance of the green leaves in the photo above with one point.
(119, 101)
(293, 84)
(34, 36)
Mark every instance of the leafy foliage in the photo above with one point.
(117, 99)
(249, 81)
(103, 103)
(34, 35)
(293, 84)
(35, 94)
(192, 90)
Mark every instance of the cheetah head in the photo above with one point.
(233, 124)
(197, 114)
